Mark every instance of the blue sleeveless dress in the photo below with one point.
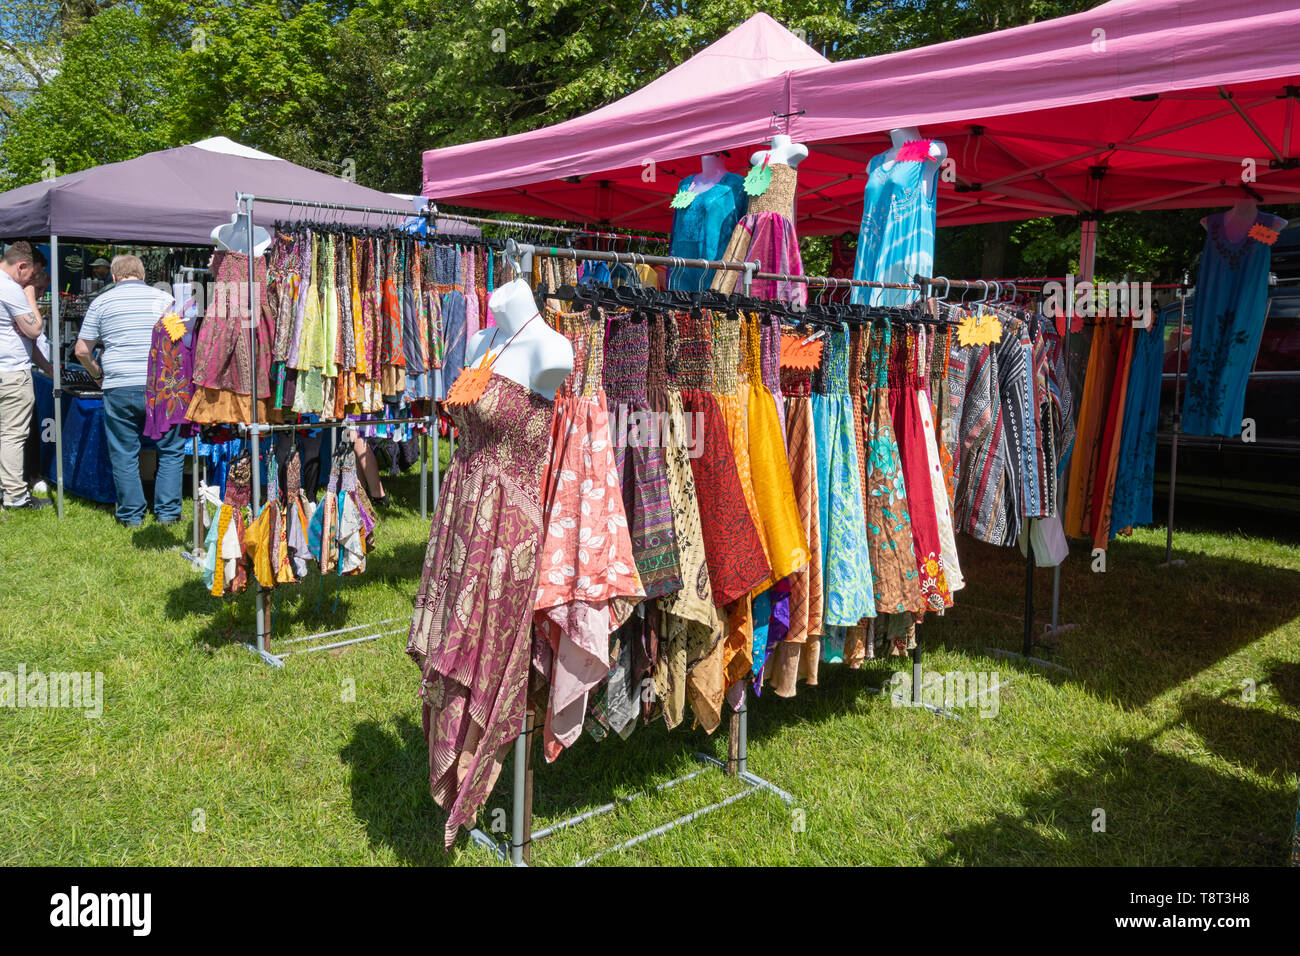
(701, 230)
(848, 587)
(1228, 315)
(896, 241)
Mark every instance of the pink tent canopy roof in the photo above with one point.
(1135, 104)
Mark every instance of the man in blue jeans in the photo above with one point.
(122, 320)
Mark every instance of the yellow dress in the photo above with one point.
(778, 510)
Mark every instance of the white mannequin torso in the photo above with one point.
(233, 236)
(783, 150)
(910, 134)
(712, 168)
(538, 358)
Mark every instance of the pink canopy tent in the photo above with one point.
(1136, 104)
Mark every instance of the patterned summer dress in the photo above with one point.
(688, 665)
(846, 561)
(588, 580)
(639, 455)
(896, 580)
(799, 654)
(474, 607)
(905, 408)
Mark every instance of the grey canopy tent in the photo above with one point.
(171, 197)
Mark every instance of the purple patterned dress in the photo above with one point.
(474, 609)
(169, 383)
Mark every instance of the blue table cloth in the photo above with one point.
(87, 472)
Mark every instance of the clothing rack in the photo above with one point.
(518, 851)
(244, 203)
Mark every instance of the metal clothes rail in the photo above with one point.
(244, 204)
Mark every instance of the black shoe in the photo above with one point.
(384, 502)
(31, 504)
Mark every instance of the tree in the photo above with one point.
(111, 99)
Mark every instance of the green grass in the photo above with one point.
(1151, 727)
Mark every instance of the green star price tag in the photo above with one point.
(683, 199)
(758, 179)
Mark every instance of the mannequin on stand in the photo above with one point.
(538, 358)
(713, 166)
(233, 236)
(766, 232)
(706, 208)
(899, 207)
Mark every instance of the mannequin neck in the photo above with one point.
(1243, 210)
(906, 134)
(713, 166)
(512, 304)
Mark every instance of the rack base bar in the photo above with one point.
(1172, 563)
(266, 656)
(756, 783)
(751, 778)
(1036, 661)
(900, 700)
(671, 825)
(600, 811)
(342, 630)
(356, 640)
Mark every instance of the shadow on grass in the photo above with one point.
(1142, 630)
(1262, 740)
(1160, 810)
(390, 792)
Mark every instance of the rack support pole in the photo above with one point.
(56, 361)
(1178, 427)
(424, 478)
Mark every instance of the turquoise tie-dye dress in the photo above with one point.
(846, 564)
(896, 240)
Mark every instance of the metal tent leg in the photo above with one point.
(56, 361)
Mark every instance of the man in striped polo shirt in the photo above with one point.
(122, 320)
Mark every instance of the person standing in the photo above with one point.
(20, 325)
(122, 320)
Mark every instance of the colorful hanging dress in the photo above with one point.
(797, 657)
(1228, 313)
(688, 666)
(905, 412)
(895, 577)
(639, 455)
(470, 634)
(846, 561)
(588, 581)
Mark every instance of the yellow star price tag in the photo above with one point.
(979, 330)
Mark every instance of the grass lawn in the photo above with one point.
(203, 755)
